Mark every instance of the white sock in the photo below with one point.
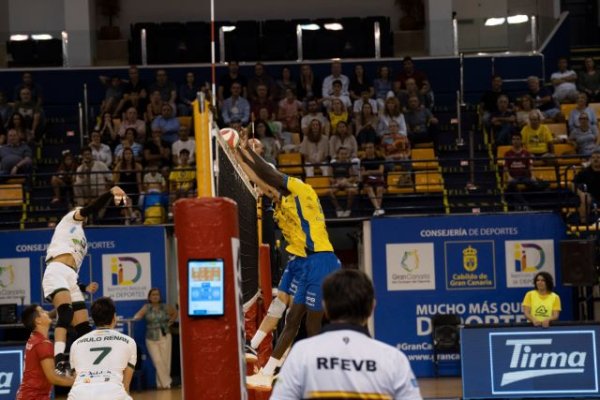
(269, 369)
(257, 339)
(59, 347)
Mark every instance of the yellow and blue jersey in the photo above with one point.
(300, 217)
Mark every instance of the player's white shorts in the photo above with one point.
(98, 391)
(60, 276)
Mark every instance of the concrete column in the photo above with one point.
(79, 17)
(438, 27)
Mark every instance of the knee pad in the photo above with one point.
(64, 313)
(83, 328)
(78, 305)
(276, 309)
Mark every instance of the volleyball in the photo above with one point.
(231, 136)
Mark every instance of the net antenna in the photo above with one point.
(213, 72)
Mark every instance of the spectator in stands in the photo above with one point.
(342, 137)
(235, 107)
(373, 178)
(262, 99)
(526, 106)
(315, 149)
(132, 120)
(391, 112)
(589, 80)
(396, 147)
(108, 131)
(34, 89)
(167, 123)
(17, 123)
(585, 137)
(187, 94)
(5, 109)
(337, 113)
(153, 183)
(182, 178)
(275, 126)
(366, 126)
(421, 124)
(15, 156)
(260, 78)
(128, 141)
(383, 85)
(157, 152)
(543, 100)
(62, 181)
(344, 179)
(127, 174)
(587, 186)
(359, 83)
(135, 92)
(92, 179)
(489, 100)
(285, 82)
(563, 81)
(30, 110)
(537, 138)
(581, 107)
(337, 93)
(154, 107)
(289, 112)
(100, 151)
(408, 71)
(271, 146)
(327, 90)
(308, 85)
(184, 142)
(411, 89)
(365, 97)
(166, 88)
(227, 80)
(112, 95)
(518, 163)
(314, 112)
(503, 122)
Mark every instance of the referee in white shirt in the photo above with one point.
(344, 362)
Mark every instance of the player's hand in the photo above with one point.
(92, 287)
(537, 323)
(545, 323)
(119, 195)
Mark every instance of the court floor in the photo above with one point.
(431, 388)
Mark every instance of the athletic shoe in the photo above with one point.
(260, 381)
(379, 212)
(346, 213)
(339, 213)
(251, 354)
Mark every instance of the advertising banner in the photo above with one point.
(11, 371)
(476, 266)
(527, 362)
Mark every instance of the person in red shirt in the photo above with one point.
(39, 374)
(517, 163)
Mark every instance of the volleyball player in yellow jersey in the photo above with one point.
(299, 215)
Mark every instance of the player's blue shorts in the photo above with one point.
(293, 273)
(318, 266)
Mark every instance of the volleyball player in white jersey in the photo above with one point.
(104, 359)
(343, 362)
(64, 256)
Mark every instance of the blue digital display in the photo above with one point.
(205, 288)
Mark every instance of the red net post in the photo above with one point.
(211, 347)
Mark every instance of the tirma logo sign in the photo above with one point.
(126, 276)
(550, 362)
(11, 370)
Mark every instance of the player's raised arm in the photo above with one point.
(116, 193)
(261, 169)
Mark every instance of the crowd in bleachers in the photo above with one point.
(348, 133)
